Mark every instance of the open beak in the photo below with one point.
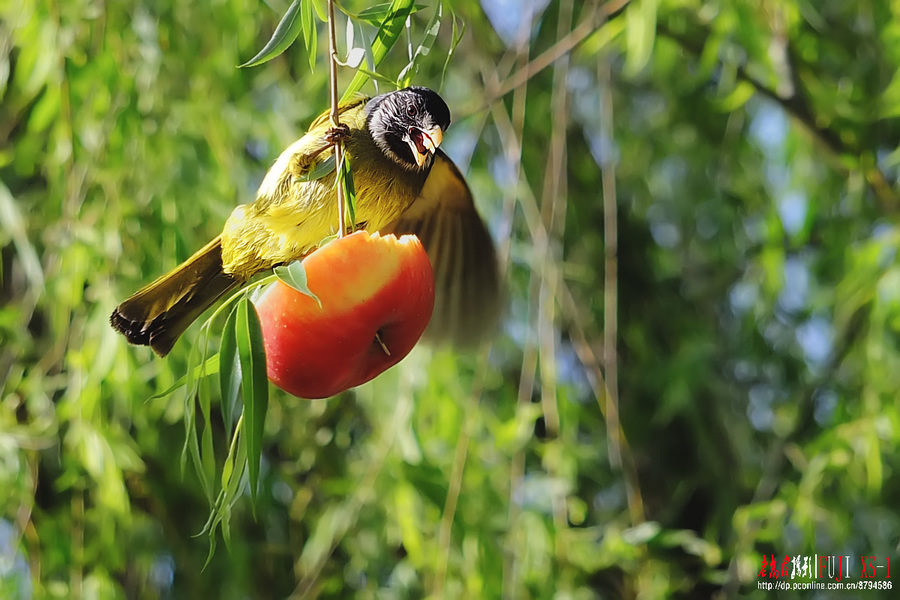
(424, 143)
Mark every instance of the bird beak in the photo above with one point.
(424, 143)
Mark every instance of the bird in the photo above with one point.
(404, 184)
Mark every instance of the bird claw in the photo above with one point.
(337, 134)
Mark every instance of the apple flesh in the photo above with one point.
(377, 296)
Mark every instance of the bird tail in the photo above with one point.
(160, 312)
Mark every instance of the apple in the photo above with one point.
(375, 299)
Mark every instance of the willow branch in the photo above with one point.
(565, 45)
(335, 119)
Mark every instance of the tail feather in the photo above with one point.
(159, 313)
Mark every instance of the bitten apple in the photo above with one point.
(375, 298)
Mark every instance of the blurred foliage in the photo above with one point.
(753, 148)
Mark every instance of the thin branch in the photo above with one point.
(610, 263)
(553, 205)
(513, 155)
(539, 234)
(335, 119)
(564, 46)
(614, 433)
(584, 351)
(592, 365)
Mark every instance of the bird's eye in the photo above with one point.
(411, 110)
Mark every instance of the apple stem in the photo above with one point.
(381, 343)
(335, 116)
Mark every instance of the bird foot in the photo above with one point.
(340, 133)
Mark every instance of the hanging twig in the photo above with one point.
(335, 120)
(527, 375)
(615, 435)
(562, 47)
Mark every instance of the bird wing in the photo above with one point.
(468, 293)
(300, 161)
(287, 219)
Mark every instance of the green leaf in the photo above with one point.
(230, 371)
(321, 10)
(345, 179)
(235, 465)
(429, 480)
(354, 58)
(328, 239)
(233, 471)
(738, 97)
(457, 34)
(320, 170)
(210, 527)
(207, 451)
(379, 77)
(255, 387)
(431, 33)
(308, 24)
(209, 367)
(390, 29)
(294, 275)
(640, 34)
(231, 486)
(376, 14)
(13, 223)
(285, 33)
(232, 474)
(355, 53)
(195, 393)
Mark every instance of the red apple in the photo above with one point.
(376, 294)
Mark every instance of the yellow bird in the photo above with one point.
(404, 184)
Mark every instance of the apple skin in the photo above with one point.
(367, 284)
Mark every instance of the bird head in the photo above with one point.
(408, 125)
